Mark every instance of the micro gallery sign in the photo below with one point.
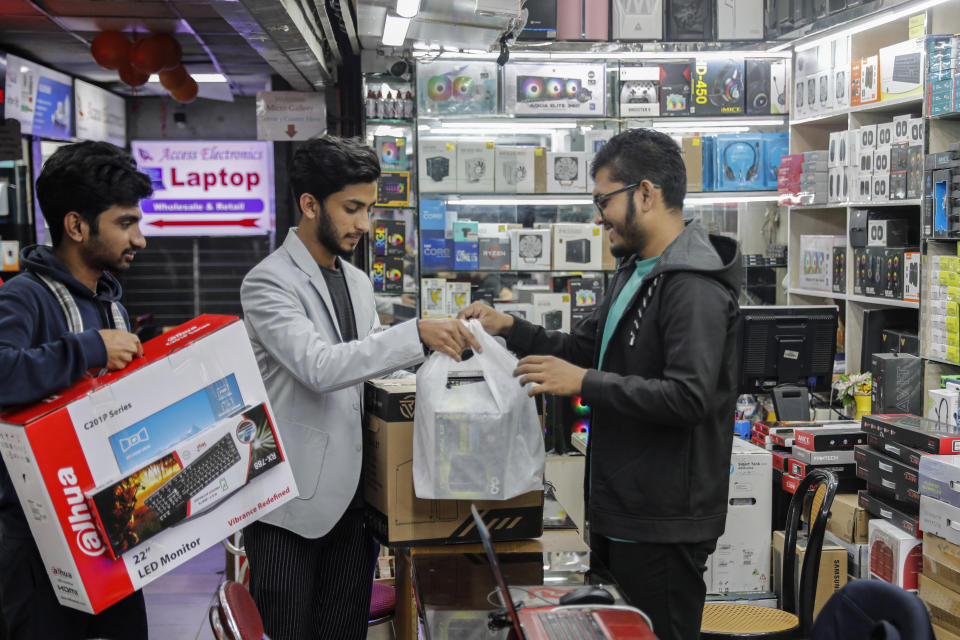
(207, 188)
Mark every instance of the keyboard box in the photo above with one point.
(396, 514)
(103, 429)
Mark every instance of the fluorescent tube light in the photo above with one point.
(395, 30)
(501, 126)
(198, 77)
(408, 8)
(508, 200)
(911, 8)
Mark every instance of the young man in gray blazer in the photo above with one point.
(312, 319)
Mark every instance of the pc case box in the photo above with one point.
(396, 514)
(637, 20)
(741, 561)
(101, 430)
(577, 246)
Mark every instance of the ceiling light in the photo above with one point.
(508, 200)
(198, 77)
(408, 8)
(500, 126)
(695, 200)
(395, 30)
(875, 21)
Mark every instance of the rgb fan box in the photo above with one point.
(393, 189)
(62, 447)
(389, 237)
(555, 89)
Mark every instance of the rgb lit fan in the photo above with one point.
(573, 87)
(439, 88)
(555, 88)
(531, 88)
(463, 88)
(396, 240)
(389, 154)
(394, 274)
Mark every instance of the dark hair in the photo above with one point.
(328, 164)
(89, 178)
(645, 154)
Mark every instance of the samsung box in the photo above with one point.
(104, 470)
(576, 246)
(741, 561)
(397, 515)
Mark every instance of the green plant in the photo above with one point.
(854, 384)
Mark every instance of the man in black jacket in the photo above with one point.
(655, 363)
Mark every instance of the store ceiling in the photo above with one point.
(246, 40)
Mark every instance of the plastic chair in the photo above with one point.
(235, 615)
(794, 619)
(872, 610)
(383, 601)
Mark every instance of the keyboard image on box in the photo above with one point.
(571, 624)
(170, 498)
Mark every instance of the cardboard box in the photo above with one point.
(394, 511)
(530, 249)
(691, 148)
(514, 169)
(830, 578)
(858, 555)
(895, 556)
(201, 374)
(848, 520)
(937, 517)
(741, 561)
(566, 172)
(577, 246)
(552, 311)
(607, 261)
(475, 167)
(438, 166)
(941, 561)
(943, 604)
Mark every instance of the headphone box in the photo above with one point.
(577, 246)
(760, 92)
(775, 147)
(675, 88)
(475, 167)
(437, 165)
(740, 19)
(718, 87)
(567, 171)
(634, 20)
(515, 171)
(740, 162)
(864, 81)
(530, 249)
(639, 91)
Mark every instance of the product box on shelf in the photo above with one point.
(830, 438)
(775, 147)
(718, 87)
(199, 385)
(567, 171)
(393, 189)
(879, 186)
(940, 478)
(740, 162)
(741, 561)
(901, 69)
(895, 556)
(475, 167)
(816, 259)
(530, 249)
(858, 556)
(389, 237)
(692, 150)
(514, 169)
(433, 298)
(585, 295)
(493, 246)
(832, 573)
(580, 20)
(897, 383)
(637, 20)
(676, 90)
(887, 477)
(458, 297)
(904, 517)
(839, 268)
(689, 20)
(555, 89)
(466, 245)
(386, 272)
(396, 514)
(522, 310)
(392, 152)
(437, 165)
(552, 311)
(456, 87)
(436, 236)
(835, 176)
(864, 81)
(840, 86)
(639, 91)
(740, 20)
(594, 140)
(576, 246)
(766, 86)
(541, 21)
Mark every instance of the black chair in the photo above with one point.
(872, 610)
(795, 617)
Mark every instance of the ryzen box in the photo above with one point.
(397, 515)
(195, 385)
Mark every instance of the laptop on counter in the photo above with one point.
(593, 622)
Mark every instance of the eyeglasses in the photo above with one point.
(600, 200)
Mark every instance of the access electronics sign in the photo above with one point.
(212, 188)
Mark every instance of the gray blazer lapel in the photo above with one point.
(305, 262)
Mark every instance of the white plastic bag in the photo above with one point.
(478, 438)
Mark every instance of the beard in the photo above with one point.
(328, 236)
(633, 239)
(98, 256)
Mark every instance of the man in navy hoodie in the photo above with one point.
(59, 321)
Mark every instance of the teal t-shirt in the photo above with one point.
(642, 268)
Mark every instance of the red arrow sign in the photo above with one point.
(246, 222)
(291, 130)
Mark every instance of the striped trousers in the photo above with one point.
(312, 588)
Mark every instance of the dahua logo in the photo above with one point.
(81, 522)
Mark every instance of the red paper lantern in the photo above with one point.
(132, 76)
(172, 51)
(186, 93)
(150, 54)
(174, 79)
(111, 49)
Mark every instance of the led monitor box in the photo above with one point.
(558, 89)
(195, 385)
(397, 515)
(577, 246)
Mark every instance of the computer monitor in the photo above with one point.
(787, 351)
